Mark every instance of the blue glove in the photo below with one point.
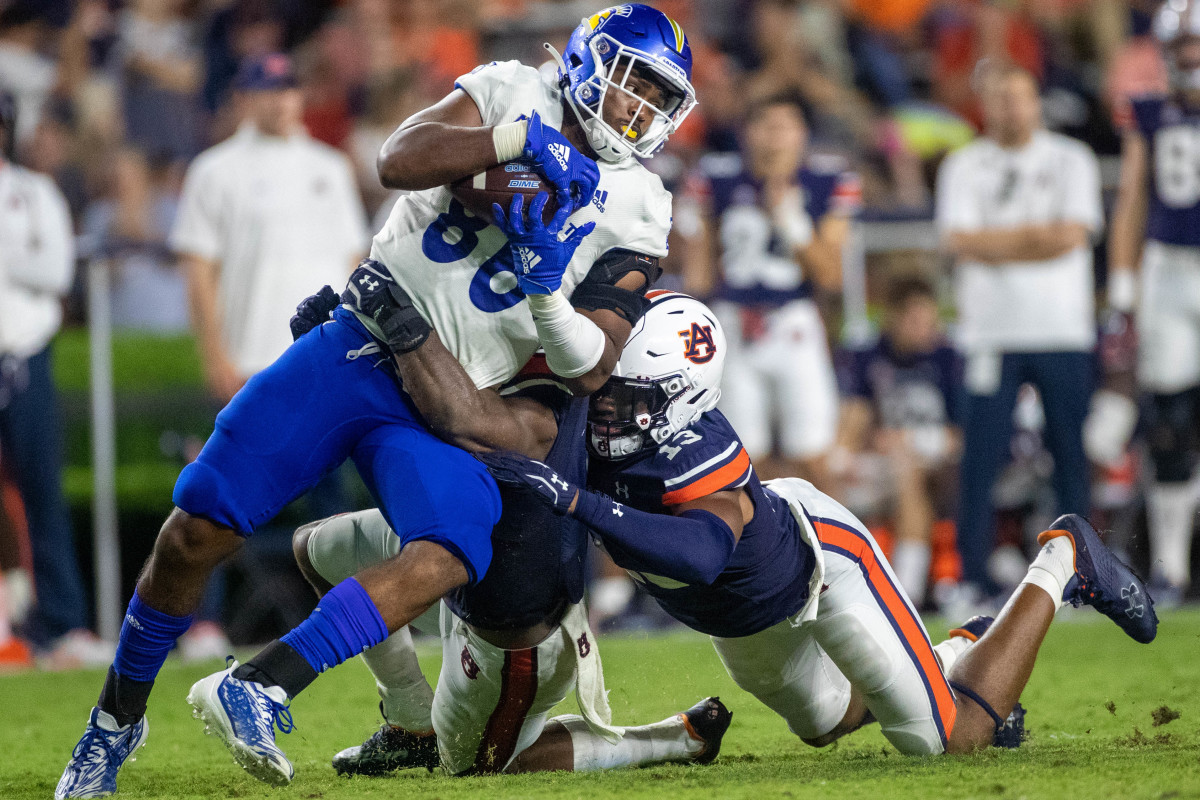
(539, 256)
(313, 311)
(534, 477)
(573, 174)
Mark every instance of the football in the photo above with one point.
(498, 185)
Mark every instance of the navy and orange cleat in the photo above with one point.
(1012, 732)
(1101, 580)
(707, 722)
(973, 628)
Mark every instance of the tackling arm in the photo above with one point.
(477, 420)
(693, 545)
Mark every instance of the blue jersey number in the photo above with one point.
(452, 237)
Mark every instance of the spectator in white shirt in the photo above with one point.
(264, 217)
(1017, 209)
(37, 264)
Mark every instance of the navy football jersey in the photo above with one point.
(766, 580)
(1173, 137)
(755, 266)
(909, 391)
(538, 557)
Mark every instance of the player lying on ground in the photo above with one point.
(514, 643)
(803, 609)
(625, 90)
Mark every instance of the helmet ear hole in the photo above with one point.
(576, 61)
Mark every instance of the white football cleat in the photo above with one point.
(103, 748)
(244, 715)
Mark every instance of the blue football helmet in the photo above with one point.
(603, 52)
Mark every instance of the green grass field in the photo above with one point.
(1094, 704)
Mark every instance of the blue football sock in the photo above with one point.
(147, 636)
(343, 624)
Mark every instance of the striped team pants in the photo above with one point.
(864, 634)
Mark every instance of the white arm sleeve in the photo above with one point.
(573, 343)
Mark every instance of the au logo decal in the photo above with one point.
(699, 347)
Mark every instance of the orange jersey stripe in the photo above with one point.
(918, 642)
(712, 482)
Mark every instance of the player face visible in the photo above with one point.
(1012, 110)
(629, 112)
(914, 328)
(775, 141)
(275, 112)
(609, 414)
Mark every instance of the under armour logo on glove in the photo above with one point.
(522, 472)
(369, 283)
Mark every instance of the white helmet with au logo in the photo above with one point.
(668, 375)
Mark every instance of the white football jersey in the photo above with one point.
(458, 268)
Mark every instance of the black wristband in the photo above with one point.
(373, 292)
(403, 327)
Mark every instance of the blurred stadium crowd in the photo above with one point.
(115, 99)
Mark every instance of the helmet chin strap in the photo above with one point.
(597, 137)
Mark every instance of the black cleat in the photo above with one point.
(707, 722)
(1012, 732)
(387, 750)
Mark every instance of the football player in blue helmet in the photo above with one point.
(636, 51)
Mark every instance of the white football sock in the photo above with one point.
(664, 741)
(910, 562)
(1053, 568)
(1171, 509)
(407, 697)
(950, 651)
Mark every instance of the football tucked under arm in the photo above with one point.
(499, 185)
